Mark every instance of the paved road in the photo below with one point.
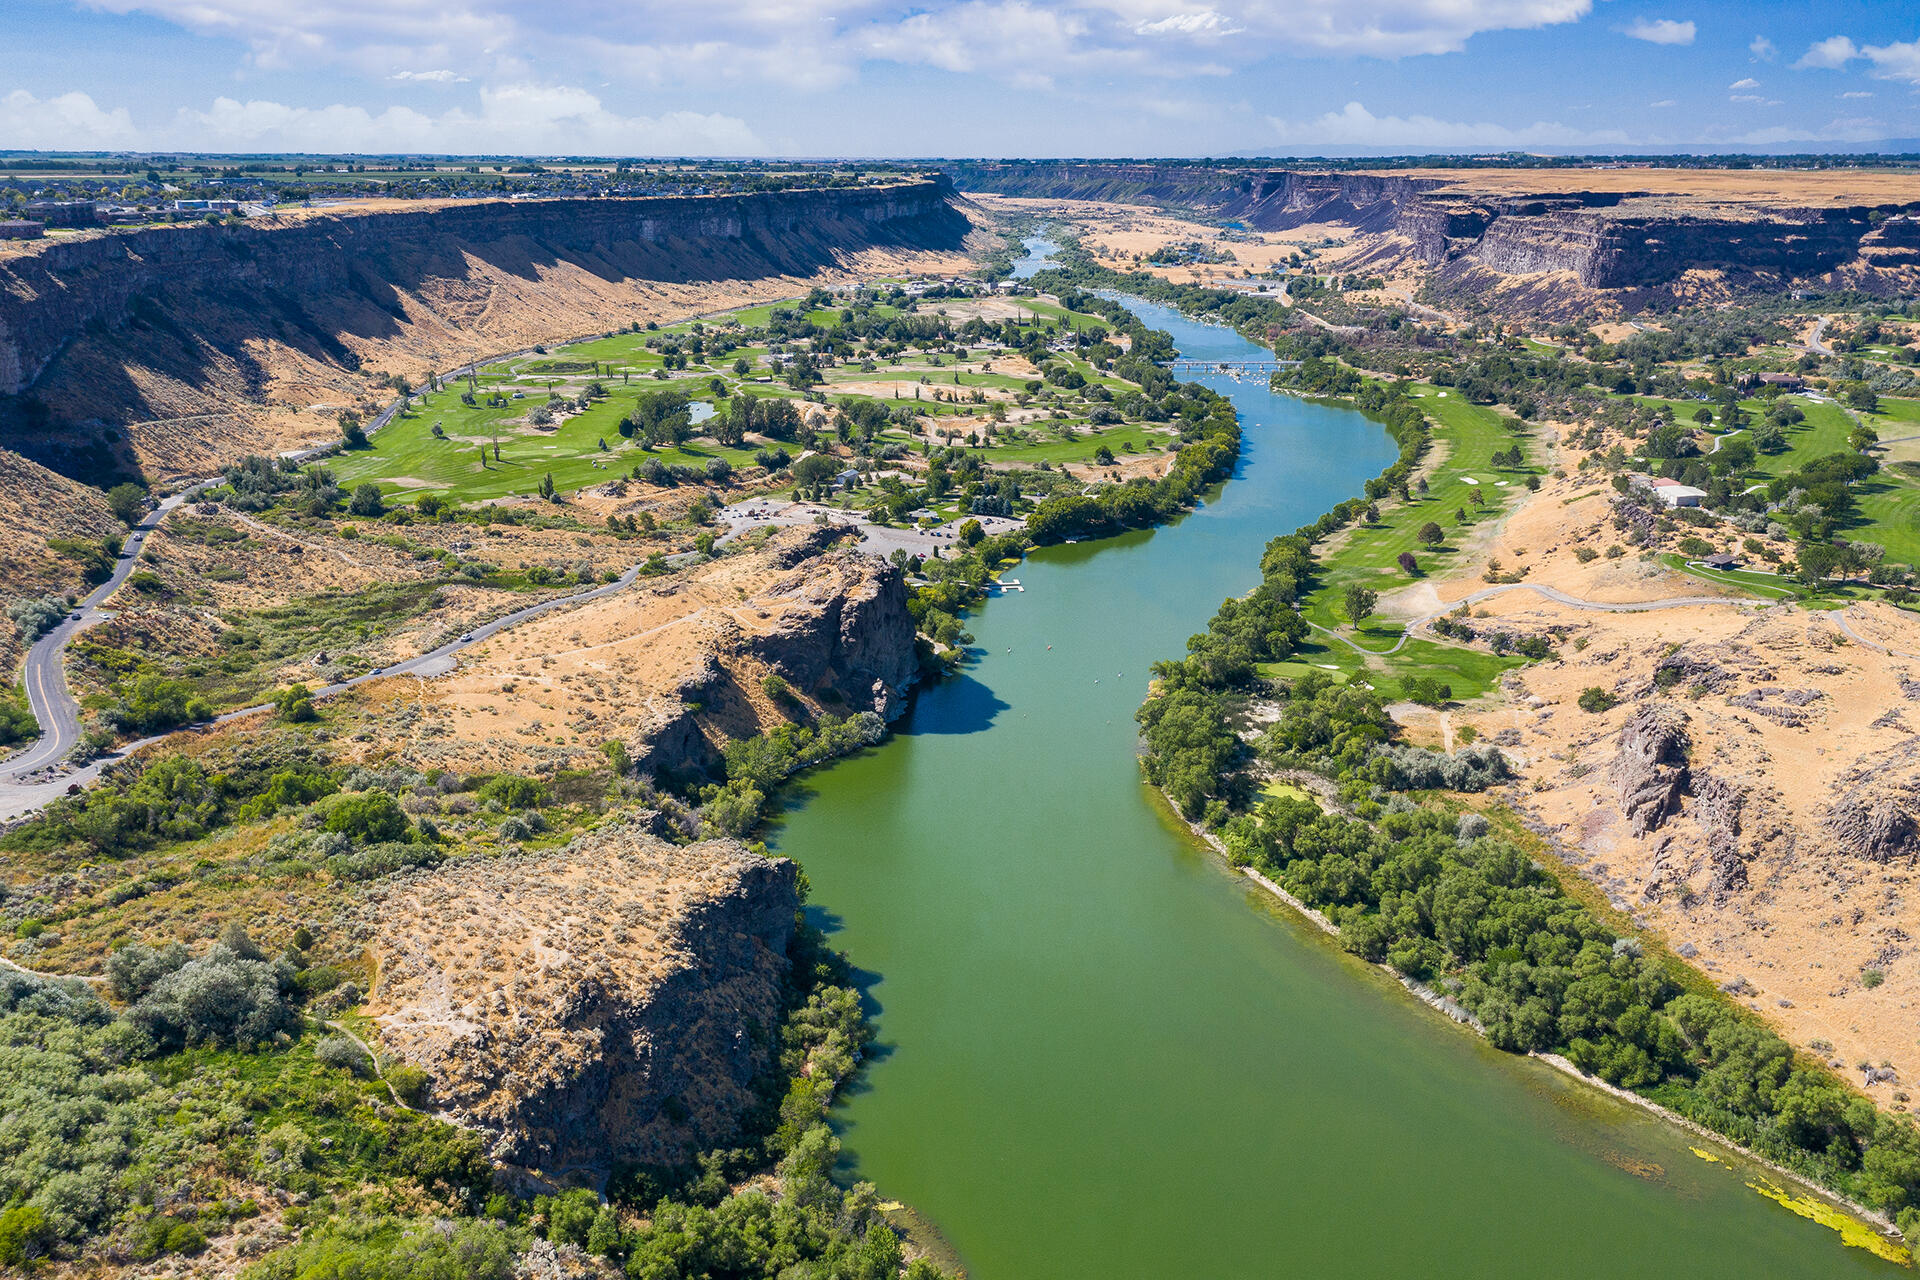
(1551, 593)
(20, 794)
(1838, 618)
(1814, 343)
(45, 673)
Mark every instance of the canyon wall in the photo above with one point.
(1604, 240)
(609, 1002)
(108, 339)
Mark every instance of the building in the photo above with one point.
(1724, 560)
(206, 206)
(1777, 381)
(20, 229)
(63, 213)
(1673, 493)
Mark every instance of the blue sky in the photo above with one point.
(956, 77)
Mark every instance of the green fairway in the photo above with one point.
(407, 459)
(1472, 673)
(1825, 431)
(1466, 436)
(445, 447)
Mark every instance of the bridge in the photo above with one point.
(1229, 366)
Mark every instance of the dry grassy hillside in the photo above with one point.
(171, 351)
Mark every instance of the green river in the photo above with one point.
(1102, 1055)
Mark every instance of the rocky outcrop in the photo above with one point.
(1875, 813)
(115, 328)
(845, 627)
(1611, 240)
(1651, 768)
(610, 1001)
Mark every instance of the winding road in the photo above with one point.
(1552, 593)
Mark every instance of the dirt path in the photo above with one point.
(1552, 593)
(269, 530)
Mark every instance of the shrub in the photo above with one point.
(342, 1053)
(1419, 769)
(1595, 699)
(366, 501)
(294, 705)
(218, 999)
(1585, 555)
(156, 704)
(128, 502)
(516, 792)
(35, 617)
(369, 816)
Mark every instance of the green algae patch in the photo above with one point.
(1854, 1233)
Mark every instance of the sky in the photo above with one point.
(957, 78)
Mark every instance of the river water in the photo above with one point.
(1101, 1055)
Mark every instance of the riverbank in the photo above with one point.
(1068, 921)
(1887, 1240)
(1502, 966)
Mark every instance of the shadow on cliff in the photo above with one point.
(170, 324)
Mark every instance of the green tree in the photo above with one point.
(366, 500)
(294, 705)
(128, 502)
(1431, 535)
(1359, 603)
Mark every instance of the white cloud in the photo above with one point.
(1662, 31)
(516, 119)
(1762, 48)
(441, 76)
(70, 121)
(1745, 97)
(1748, 83)
(1895, 61)
(1831, 54)
(1207, 22)
(820, 44)
(1858, 93)
(1664, 102)
(1355, 126)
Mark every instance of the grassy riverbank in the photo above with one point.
(1414, 879)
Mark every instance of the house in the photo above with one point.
(1750, 382)
(1724, 560)
(1672, 492)
(20, 229)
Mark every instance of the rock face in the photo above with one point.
(845, 626)
(1602, 239)
(121, 328)
(1651, 769)
(611, 1001)
(1873, 813)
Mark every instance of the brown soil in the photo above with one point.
(1792, 730)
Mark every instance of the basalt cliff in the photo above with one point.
(167, 350)
(613, 1001)
(1613, 239)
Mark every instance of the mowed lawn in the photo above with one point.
(1471, 673)
(1466, 436)
(406, 459)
